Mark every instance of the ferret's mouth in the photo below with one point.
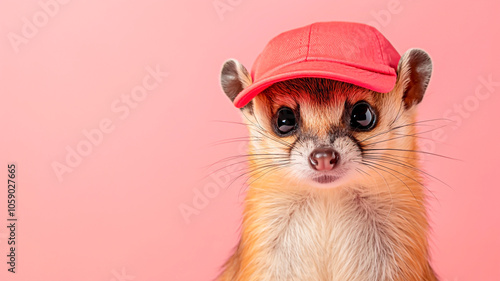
(324, 179)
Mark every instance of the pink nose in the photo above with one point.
(323, 159)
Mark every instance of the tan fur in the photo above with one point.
(372, 226)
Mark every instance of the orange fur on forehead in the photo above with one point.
(314, 91)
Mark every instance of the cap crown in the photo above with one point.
(351, 44)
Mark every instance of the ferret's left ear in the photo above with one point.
(414, 71)
(234, 78)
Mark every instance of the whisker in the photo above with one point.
(405, 135)
(401, 164)
(389, 188)
(402, 126)
(250, 171)
(265, 173)
(264, 170)
(259, 129)
(390, 154)
(410, 150)
(249, 157)
(380, 165)
(379, 168)
(252, 160)
(233, 140)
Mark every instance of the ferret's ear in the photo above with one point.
(414, 71)
(234, 78)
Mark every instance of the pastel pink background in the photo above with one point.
(117, 215)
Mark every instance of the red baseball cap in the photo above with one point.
(349, 52)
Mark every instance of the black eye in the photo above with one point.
(362, 116)
(286, 121)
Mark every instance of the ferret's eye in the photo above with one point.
(286, 121)
(362, 116)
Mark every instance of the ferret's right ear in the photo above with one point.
(414, 71)
(234, 78)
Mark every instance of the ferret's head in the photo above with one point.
(323, 133)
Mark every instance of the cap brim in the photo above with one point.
(375, 81)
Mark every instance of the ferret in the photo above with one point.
(335, 189)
